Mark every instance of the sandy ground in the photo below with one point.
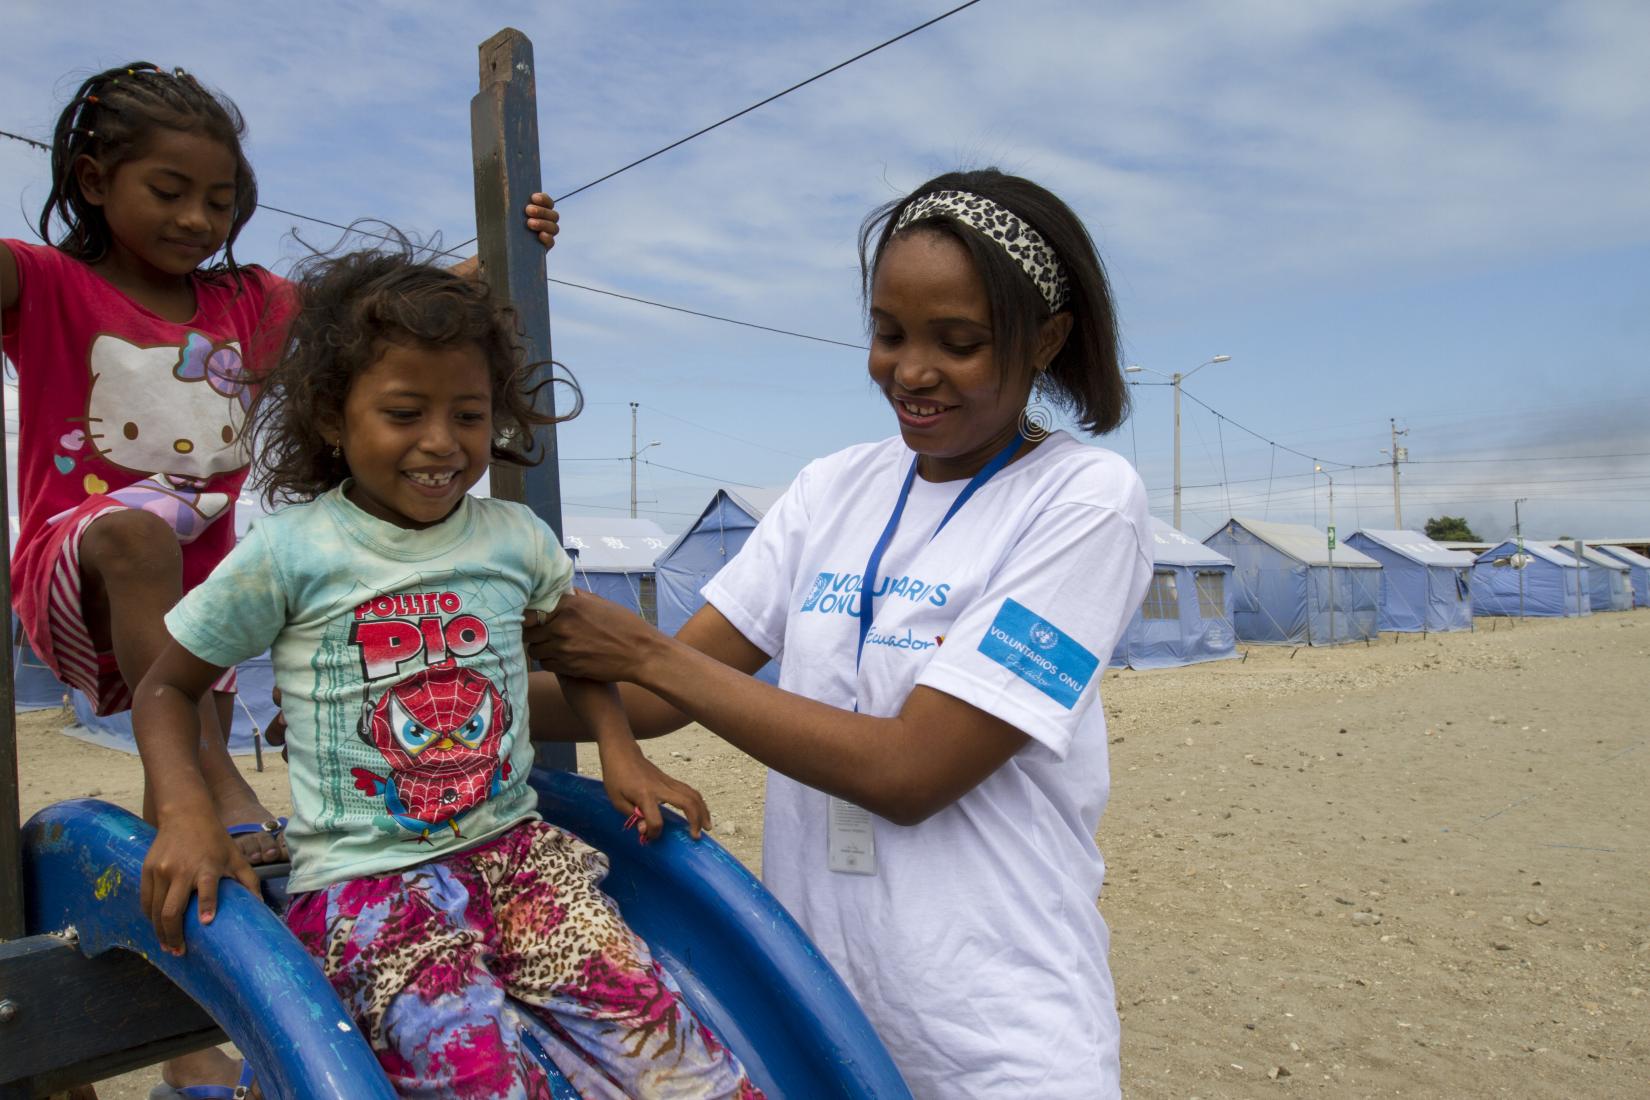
(1419, 868)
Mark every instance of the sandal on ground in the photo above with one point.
(239, 1091)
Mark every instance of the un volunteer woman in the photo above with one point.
(937, 750)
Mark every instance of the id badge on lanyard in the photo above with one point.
(851, 846)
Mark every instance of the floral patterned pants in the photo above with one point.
(469, 973)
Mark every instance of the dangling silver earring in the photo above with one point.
(337, 451)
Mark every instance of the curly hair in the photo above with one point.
(110, 119)
(349, 306)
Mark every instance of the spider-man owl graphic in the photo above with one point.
(439, 731)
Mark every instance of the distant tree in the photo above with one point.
(1450, 529)
(1566, 538)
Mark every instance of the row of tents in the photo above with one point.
(1250, 581)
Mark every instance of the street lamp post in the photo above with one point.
(1319, 469)
(1174, 380)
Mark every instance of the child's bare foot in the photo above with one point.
(266, 844)
(203, 1067)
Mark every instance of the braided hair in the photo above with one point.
(110, 119)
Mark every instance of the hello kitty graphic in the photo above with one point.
(173, 415)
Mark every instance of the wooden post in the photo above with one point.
(504, 139)
(11, 850)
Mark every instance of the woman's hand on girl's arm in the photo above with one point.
(191, 851)
(904, 768)
(634, 784)
(608, 638)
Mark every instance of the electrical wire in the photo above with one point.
(715, 431)
(740, 114)
(1312, 458)
(454, 253)
(764, 102)
(42, 146)
(626, 508)
(707, 316)
(707, 477)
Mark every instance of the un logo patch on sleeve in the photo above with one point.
(1039, 653)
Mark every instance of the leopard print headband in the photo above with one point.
(1024, 245)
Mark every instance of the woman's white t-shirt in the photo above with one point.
(976, 947)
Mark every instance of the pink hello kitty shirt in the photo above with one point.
(119, 403)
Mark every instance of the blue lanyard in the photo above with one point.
(868, 582)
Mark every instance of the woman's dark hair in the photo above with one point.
(1086, 375)
(349, 306)
(110, 119)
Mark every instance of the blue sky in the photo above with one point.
(1429, 211)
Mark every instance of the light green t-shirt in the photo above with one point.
(402, 673)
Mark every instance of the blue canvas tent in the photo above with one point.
(1187, 614)
(1424, 587)
(1541, 582)
(36, 687)
(1289, 591)
(699, 553)
(1638, 571)
(1609, 586)
(255, 679)
(614, 559)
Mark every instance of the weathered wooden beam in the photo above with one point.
(11, 852)
(504, 139)
(69, 1019)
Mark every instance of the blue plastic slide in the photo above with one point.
(742, 962)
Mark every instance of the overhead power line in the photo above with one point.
(1536, 458)
(759, 103)
(764, 102)
(456, 254)
(42, 146)
(717, 431)
(1311, 458)
(626, 508)
(707, 316)
(706, 477)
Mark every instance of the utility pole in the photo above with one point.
(1176, 383)
(1175, 380)
(634, 452)
(1325, 473)
(1518, 533)
(1581, 574)
(1399, 454)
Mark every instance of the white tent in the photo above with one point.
(613, 557)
